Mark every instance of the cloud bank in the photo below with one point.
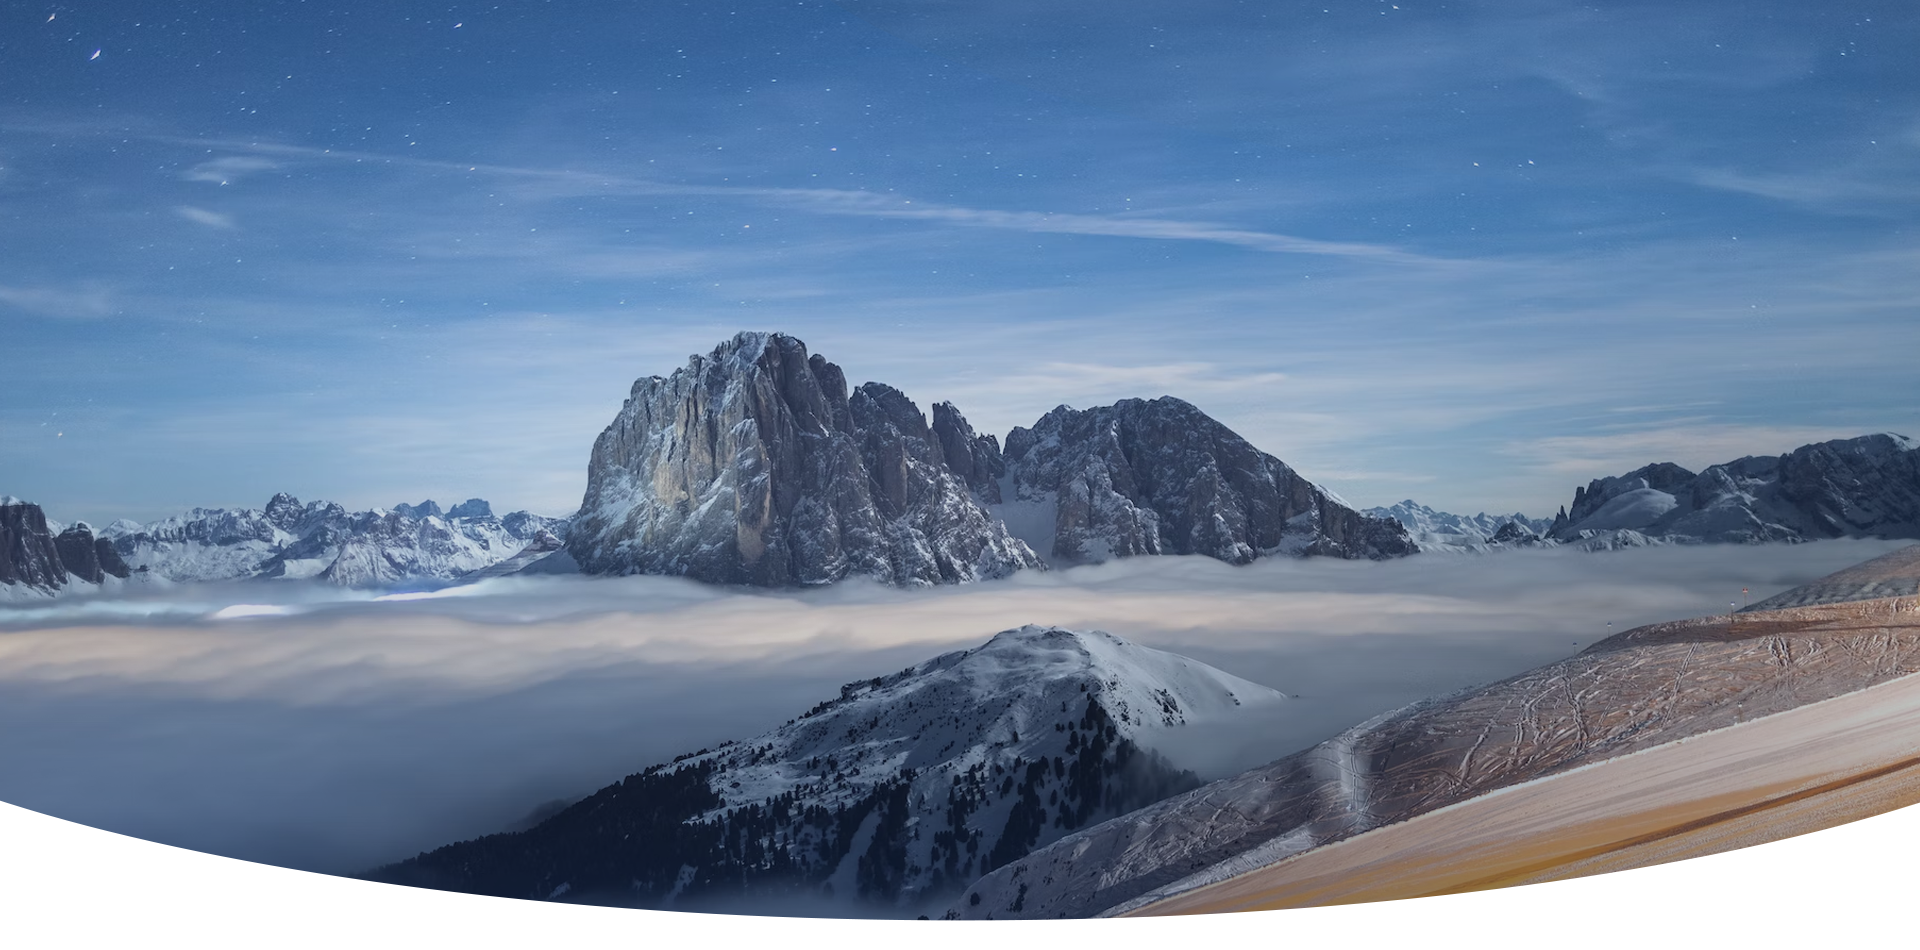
(345, 731)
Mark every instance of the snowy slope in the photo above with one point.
(904, 788)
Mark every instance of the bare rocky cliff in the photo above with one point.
(1161, 477)
(754, 465)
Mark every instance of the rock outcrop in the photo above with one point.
(1866, 487)
(754, 465)
(1161, 477)
(89, 558)
(37, 560)
(29, 556)
(901, 790)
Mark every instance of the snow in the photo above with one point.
(965, 722)
(1635, 509)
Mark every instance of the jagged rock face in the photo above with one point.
(89, 558)
(1646, 687)
(753, 465)
(1863, 487)
(323, 540)
(1162, 477)
(903, 788)
(29, 555)
(473, 508)
(974, 459)
(425, 509)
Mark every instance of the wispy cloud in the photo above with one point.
(1840, 191)
(220, 171)
(84, 304)
(557, 183)
(1693, 445)
(212, 219)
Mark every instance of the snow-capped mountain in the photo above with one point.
(754, 465)
(39, 558)
(323, 540)
(1853, 488)
(1434, 530)
(902, 790)
(1161, 477)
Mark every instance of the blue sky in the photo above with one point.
(1469, 253)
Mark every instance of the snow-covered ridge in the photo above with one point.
(904, 787)
(1434, 530)
(323, 540)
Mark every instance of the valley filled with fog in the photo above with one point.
(333, 730)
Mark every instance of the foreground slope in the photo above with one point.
(1805, 814)
(1635, 691)
(903, 788)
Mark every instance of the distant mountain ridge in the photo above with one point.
(754, 464)
(1865, 487)
(324, 541)
(903, 789)
(1434, 530)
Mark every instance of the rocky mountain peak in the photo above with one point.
(1160, 476)
(471, 508)
(754, 465)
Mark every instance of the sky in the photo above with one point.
(1470, 253)
(349, 732)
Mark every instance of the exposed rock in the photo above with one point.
(29, 555)
(1854, 488)
(903, 788)
(1161, 477)
(89, 558)
(472, 508)
(975, 459)
(753, 465)
(425, 509)
(1513, 535)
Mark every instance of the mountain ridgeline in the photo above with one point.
(754, 464)
(900, 791)
(1866, 487)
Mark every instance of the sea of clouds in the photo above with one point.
(330, 730)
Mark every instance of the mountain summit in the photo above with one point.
(905, 788)
(755, 465)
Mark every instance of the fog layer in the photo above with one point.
(332, 731)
